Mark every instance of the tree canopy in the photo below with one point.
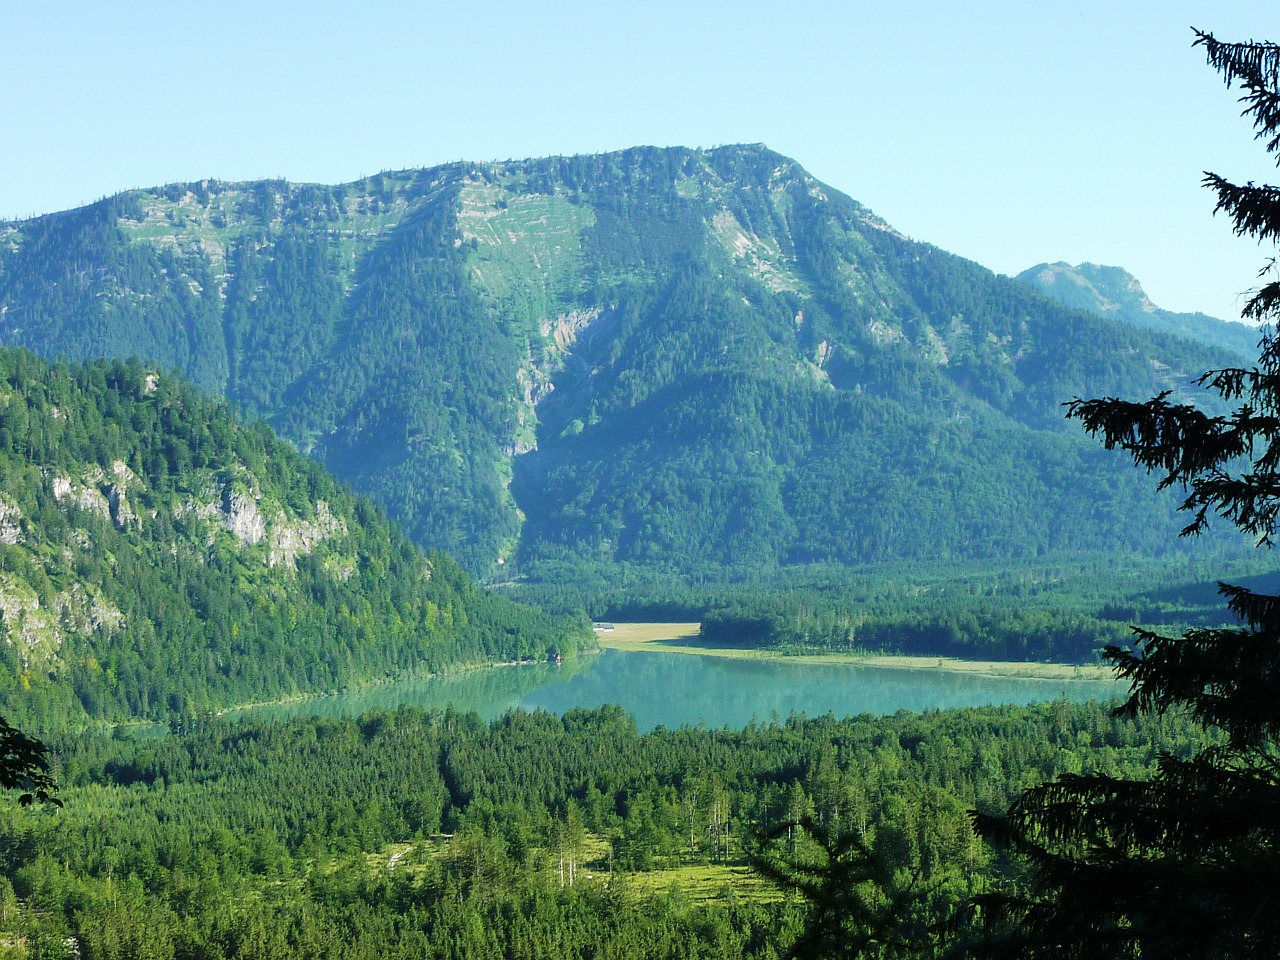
(1186, 863)
(24, 766)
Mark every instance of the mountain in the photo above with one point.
(683, 359)
(1115, 293)
(159, 559)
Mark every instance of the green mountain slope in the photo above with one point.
(158, 559)
(1115, 293)
(680, 358)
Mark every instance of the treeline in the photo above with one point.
(1064, 609)
(434, 834)
(157, 558)
(1065, 612)
(980, 634)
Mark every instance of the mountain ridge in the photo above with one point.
(665, 356)
(1114, 292)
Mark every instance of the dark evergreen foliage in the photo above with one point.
(1187, 863)
(410, 834)
(863, 904)
(24, 766)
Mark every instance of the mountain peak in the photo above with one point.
(674, 356)
(1090, 286)
(1115, 293)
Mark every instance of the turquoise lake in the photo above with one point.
(674, 689)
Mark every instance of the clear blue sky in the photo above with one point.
(1007, 132)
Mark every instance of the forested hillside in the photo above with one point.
(435, 835)
(679, 359)
(159, 560)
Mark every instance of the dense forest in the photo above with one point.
(1064, 608)
(274, 440)
(159, 559)
(728, 392)
(433, 834)
(682, 360)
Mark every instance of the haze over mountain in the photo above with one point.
(690, 359)
(1115, 293)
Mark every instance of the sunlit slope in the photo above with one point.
(158, 559)
(675, 357)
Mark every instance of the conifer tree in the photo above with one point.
(24, 766)
(864, 903)
(1186, 864)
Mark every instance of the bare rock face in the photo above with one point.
(82, 612)
(39, 631)
(24, 624)
(572, 341)
(292, 540)
(565, 329)
(101, 492)
(10, 522)
(122, 513)
(66, 490)
(240, 515)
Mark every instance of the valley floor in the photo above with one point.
(684, 638)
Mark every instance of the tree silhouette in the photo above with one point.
(863, 903)
(1186, 864)
(24, 766)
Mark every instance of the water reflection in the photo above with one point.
(671, 689)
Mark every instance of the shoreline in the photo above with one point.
(381, 682)
(683, 638)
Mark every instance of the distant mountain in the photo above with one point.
(159, 560)
(687, 359)
(1116, 294)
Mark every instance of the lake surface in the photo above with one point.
(675, 689)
